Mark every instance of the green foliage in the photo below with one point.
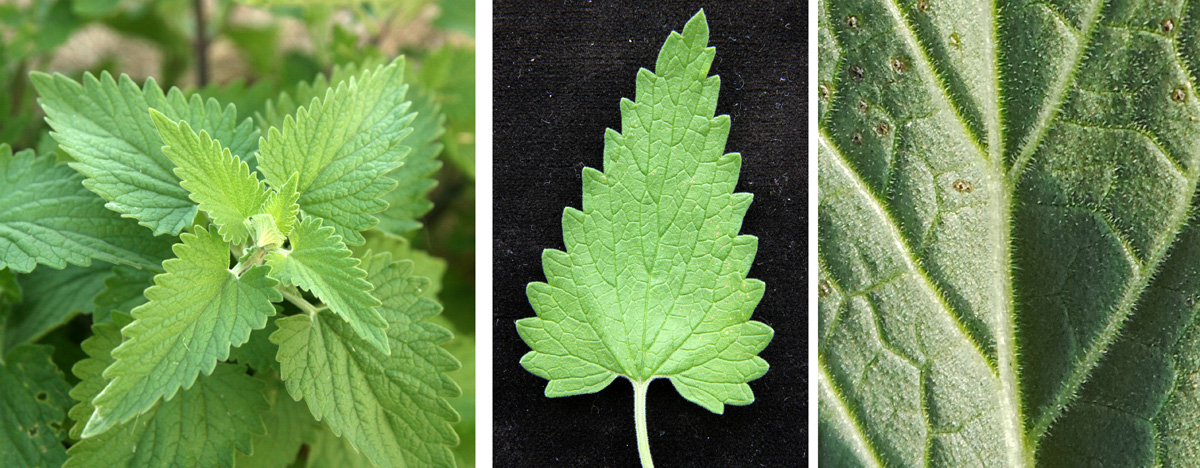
(49, 218)
(653, 283)
(1007, 234)
(172, 348)
(34, 397)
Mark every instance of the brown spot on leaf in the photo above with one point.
(1178, 95)
(823, 289)
(1168, 25)
(852, 22)
(883, 129)
(898, 65)
(923, 6)
(856, 138)
(863, 106)
(962, 186)
(857, 73)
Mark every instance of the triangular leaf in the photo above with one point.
(340, 145)
(653, 283)
(215, 178)
(198, 309)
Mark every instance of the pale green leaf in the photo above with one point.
(196, 311)
(52, 298)
(33, 395)
(393, 408)
(218, 180)
(1007, 236)
(425, 265)
(340, 145)
(202, 426)
(104, 124)
(414, 179)
(319, 262)
(47, 217)
(281, 204)
(289, 426)
(653, 283)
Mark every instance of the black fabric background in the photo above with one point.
(560, 70)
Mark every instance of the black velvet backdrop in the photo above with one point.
(560, 70)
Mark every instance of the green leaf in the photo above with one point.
(202, 426)
(393, 408)
(53, 297)
(219, 181)
(197, 310)
(123, 291)
(47, 217)
(34, 397)
(328, 449)
(425, 265)
(289, 426)
(653, 283)
(340, 145)
(414, 180)
(281, 205)
(258, 351)
(105, 125)
(99, 346)
(319, 262)
(1007, 245)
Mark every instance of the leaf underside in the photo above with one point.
(1007, 255)
(653, 281)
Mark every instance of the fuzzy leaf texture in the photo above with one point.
(340, 144)
(196, 311)
(392, 408)
(204, 425)
(653, 283)
(1006, 245)
(105, 125)
(47, 217)
(218, 180)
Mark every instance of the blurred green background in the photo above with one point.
(248, 53)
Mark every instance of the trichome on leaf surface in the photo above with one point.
(235, 293)
(1007, 233)
(653, 281)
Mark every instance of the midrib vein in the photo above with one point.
(1006, 369)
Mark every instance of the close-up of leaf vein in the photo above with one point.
(1006, 246)
(653, 282)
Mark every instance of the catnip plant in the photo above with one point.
(653, 280)
(237, 323)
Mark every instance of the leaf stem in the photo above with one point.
(255, 259)
(299, 301)
(639, 418)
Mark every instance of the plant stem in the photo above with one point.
(255, 259)
(639, 417)
(299, 301)
(201, 44)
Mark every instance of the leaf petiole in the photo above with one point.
(299, 301)
(639, 417)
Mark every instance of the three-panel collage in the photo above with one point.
(583, 233)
